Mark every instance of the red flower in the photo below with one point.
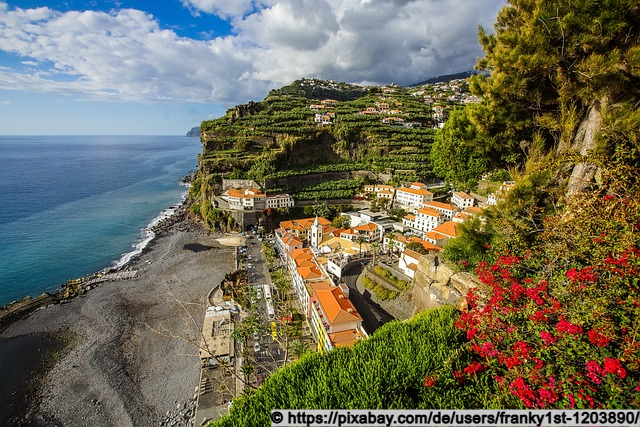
(592, 366)
(598, 339)
(547, 338)
(474, 368)
(613, 366)
(429, 381)
(573, 274)
(564, 326)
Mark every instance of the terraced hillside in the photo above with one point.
(312, 127)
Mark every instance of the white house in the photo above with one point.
(245, 198)
(279, 201)
(447, 210)
(414, 196)
(462, 200)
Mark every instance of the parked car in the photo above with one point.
(256, 346)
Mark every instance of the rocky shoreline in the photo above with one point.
(131, 359)
(72, 288)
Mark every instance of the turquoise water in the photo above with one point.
(71, 206)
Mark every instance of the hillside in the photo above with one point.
(315, 126)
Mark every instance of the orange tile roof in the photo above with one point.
(345, 338)
(410, 217)
(429, 212)
(367, 227)
(336, 306)
(308, 273)
(440, 205)
(419, 192)
(317, 285)
(411, 253)
(427, 245)
(463, 195)
(473, 210)
(447, 228)
(302, 224)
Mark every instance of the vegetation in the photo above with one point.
(379, 291)
(364, 377)
(383, 272)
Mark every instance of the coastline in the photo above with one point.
(132, 358)
(18, 309)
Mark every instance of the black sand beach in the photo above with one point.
(124, 353)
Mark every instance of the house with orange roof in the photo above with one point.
(245, 198)
(435, 238)
(426, 219)
(413, 197)
(304, 268)
(447, 229)
(447, 210)
(370, 232)
(335, 322)
(378, 189)
(300, 227)
(467, 213)
(505, 187)
(462, 200)
(398, 242)
(286, 242)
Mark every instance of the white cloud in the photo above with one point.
(126, 55)
(226, 9)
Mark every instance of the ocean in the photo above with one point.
(74, 205)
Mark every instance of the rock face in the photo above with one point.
(436, 284)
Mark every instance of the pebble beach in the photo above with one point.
(125, 352)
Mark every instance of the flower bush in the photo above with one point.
(532, 338)
(559, 327)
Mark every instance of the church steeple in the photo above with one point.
(316, 234)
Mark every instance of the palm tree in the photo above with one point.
(299, 348)
(392, 241)
(360, 240)
(374, 248)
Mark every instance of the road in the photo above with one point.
(271, 354)
(373, 316)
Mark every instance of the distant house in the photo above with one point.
(414, 196)
(462, 200)
(467, 213)
(426, 219)
(505, 187)
(245, 198)
(279, 201)
(329, 103)
(370, 232)
(447, 229)
(447, 210)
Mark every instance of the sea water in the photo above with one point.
(74, 205)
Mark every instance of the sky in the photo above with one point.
(161, 67)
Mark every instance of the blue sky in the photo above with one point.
(163, 66)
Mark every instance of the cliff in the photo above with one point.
(436, 284)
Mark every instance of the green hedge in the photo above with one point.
(386, 371)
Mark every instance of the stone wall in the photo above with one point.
(436, 284)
